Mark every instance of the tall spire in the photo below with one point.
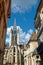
(14, 27)
(15, 22)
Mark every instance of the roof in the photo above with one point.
(33, 37)
(39, 8)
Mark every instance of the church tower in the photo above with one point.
(14, 34)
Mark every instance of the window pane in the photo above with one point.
(14, 59)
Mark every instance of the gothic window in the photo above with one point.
(14, 59)
(14, 49)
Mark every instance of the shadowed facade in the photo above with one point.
(5, 6)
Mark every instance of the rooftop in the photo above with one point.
(33, 37)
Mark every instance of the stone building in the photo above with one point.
(14, 52)
(4, 14)
(10, 56)
(31, 57)
(33, 50)
(39, 29)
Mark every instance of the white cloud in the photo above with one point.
(8, 40)
(22, 5)
(8, 30)
(8, 34)
(30, 31)
(24, 37)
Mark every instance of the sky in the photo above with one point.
(24, 12)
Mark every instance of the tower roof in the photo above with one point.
(14, 27)
(33, 37)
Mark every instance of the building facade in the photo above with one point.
(4, 14)
(31, 57)
(33, 51)
(14, 53)
(39, 29)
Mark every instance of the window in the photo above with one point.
(37, 57)
(14, 49)
(14, 59)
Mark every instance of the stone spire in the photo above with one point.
(14, 27)
(14, 34)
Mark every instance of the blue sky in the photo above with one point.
(24, 11)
